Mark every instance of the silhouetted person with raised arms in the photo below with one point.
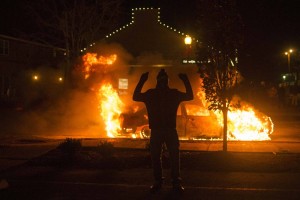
(162, 103)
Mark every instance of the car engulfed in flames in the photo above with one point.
(190, 125)
(194, 120)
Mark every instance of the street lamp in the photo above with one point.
(284, 77)
(188, 40)
(35, 77)
(288, 53)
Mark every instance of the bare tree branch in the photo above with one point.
(73, 24)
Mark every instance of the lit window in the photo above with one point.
(4, 47)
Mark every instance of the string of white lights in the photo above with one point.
(132, 22)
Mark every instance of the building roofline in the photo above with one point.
(133, 10)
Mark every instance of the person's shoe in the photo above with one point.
(156, 187)
(178, 188)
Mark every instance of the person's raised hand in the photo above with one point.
(144, 76)
(182, 76)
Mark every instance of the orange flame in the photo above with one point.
(110, 109)
(90, 61)
(248, 124)
(243, 123)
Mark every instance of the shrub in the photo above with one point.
(70, 146)
(106, 149)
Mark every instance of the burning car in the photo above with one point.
(134, 124)
(193, 122)
(196, 122)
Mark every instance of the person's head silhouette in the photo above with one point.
(162, 79)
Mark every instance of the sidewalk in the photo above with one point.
(16, 153)
(13, 154)
(198, 145)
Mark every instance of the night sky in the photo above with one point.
(271, 27)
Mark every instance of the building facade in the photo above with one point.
(19, 59)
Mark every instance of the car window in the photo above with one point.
(196, 110)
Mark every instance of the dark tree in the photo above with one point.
(220, 36)
(73, 24)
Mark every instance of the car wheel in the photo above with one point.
(145, 132)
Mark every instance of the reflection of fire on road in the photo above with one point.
(244, 123)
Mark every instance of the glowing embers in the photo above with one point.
(110, 109)
(92, 63)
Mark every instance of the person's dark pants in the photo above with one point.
(170, 138)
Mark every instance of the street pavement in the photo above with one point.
(224, 186)
(49, 183)
(15, 152)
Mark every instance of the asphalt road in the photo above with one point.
(134, 184)
(52, 183)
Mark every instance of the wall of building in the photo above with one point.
(19, 59)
